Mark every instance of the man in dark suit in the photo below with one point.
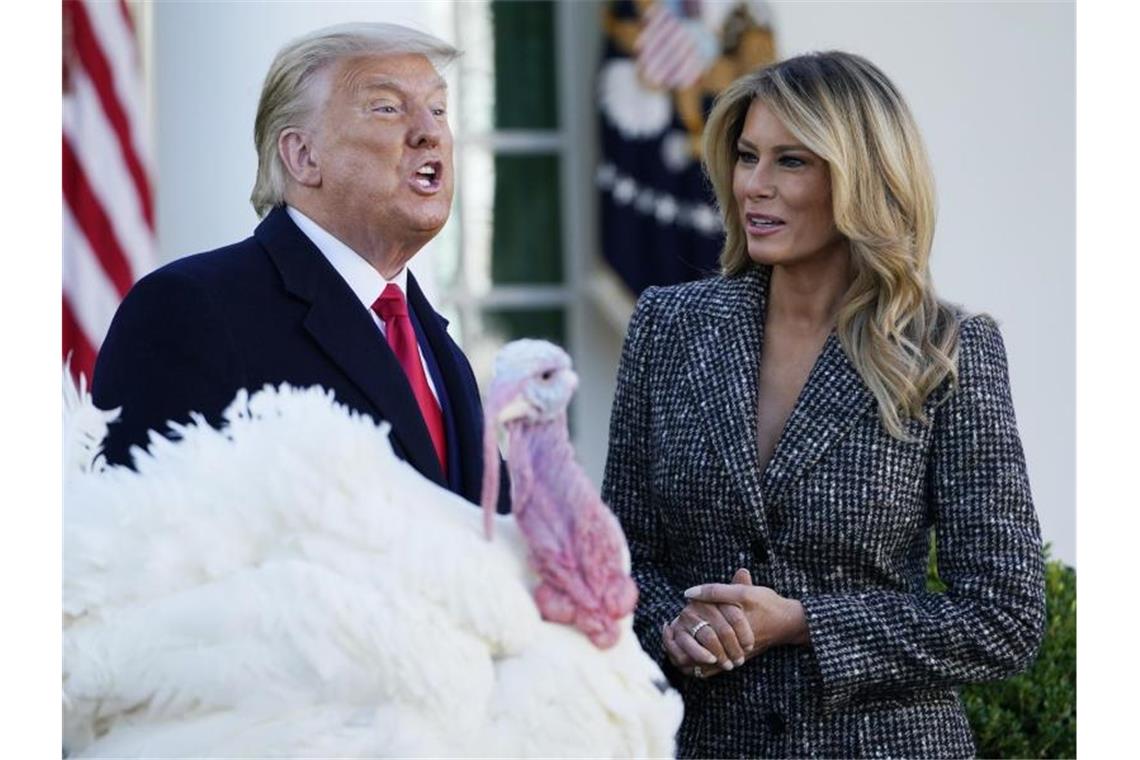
(354, 178)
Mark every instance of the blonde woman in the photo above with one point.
(786, 434)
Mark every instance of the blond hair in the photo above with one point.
(286, 100)
(899, 337)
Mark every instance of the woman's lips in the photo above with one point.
(763, 224)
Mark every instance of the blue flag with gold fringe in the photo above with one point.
(664, 63)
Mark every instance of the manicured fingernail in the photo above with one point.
(739, 662)
(691, 592)
(726, 665)
(710, 659)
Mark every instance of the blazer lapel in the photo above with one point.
(723, 338)
(348, 336)
(832, 400)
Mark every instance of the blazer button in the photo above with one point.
(775, 723)
(759, 553)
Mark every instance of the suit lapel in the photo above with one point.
(723, 339)
(346, 333)
(463, 396)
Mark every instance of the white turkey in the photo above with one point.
(288, 587)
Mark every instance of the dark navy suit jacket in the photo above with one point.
(269, 310)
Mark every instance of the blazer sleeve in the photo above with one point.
(989, 622)
(626, 488)
(167, 353)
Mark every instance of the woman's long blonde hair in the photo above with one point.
(900, 338)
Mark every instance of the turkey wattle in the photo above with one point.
(577, 547)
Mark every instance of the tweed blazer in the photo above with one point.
(840, 519)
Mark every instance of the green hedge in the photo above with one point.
(1033, 714)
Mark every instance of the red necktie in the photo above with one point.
(393, 309)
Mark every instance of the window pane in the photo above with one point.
(526, 242)
(505, 325)
(525, 86)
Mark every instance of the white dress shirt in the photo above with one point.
(361, 277)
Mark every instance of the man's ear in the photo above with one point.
(295, 146)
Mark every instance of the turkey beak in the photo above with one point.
(518, 408)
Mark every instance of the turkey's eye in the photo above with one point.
(548, 374)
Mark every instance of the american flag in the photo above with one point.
(108, 211)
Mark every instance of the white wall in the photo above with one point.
(992, 86)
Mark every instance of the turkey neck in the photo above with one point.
(539, 450)
(545, 441)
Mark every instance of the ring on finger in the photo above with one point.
(697, 673)
(696, 628)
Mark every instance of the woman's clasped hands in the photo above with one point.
(725, 624)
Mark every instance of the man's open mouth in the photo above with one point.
(429, 176)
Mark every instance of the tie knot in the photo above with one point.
(391, 303)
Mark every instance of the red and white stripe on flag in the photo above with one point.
(667, 56)
(108, 211)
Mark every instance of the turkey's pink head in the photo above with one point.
(533, 382)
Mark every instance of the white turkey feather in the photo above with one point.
(288, 586)
(84, 426)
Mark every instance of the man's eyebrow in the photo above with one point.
(384, 83)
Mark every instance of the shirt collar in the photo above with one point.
(361, 276)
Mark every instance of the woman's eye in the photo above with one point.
(746, 157)
(791, 162)
(385, 108)
(439, 111)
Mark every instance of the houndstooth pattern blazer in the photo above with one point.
(840, 520)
